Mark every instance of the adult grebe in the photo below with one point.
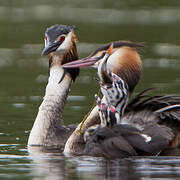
(125, 134)
(125, 62)
(60, 46)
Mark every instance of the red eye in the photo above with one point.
(45, 38)
(62, 38)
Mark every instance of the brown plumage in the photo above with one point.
(130, 71)
(156, 116)
(124, 61)
(140, 130)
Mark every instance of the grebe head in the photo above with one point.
(59, 39)
(60, 46)
(113, 87)
(124, 60)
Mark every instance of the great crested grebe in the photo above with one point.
(124, 61)
(121, 135)
(159, 113)
(60, 46)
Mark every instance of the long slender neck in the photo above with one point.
(48, 122)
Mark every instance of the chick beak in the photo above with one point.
(51, 47)
(85, 62)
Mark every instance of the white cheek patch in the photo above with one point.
(146, 137)
(66, 43)
(113, 60)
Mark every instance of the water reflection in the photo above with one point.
(59, 167)
(53, 165)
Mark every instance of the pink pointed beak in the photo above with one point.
(85, 62)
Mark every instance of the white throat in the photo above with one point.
(49, 117)
(56, 73)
